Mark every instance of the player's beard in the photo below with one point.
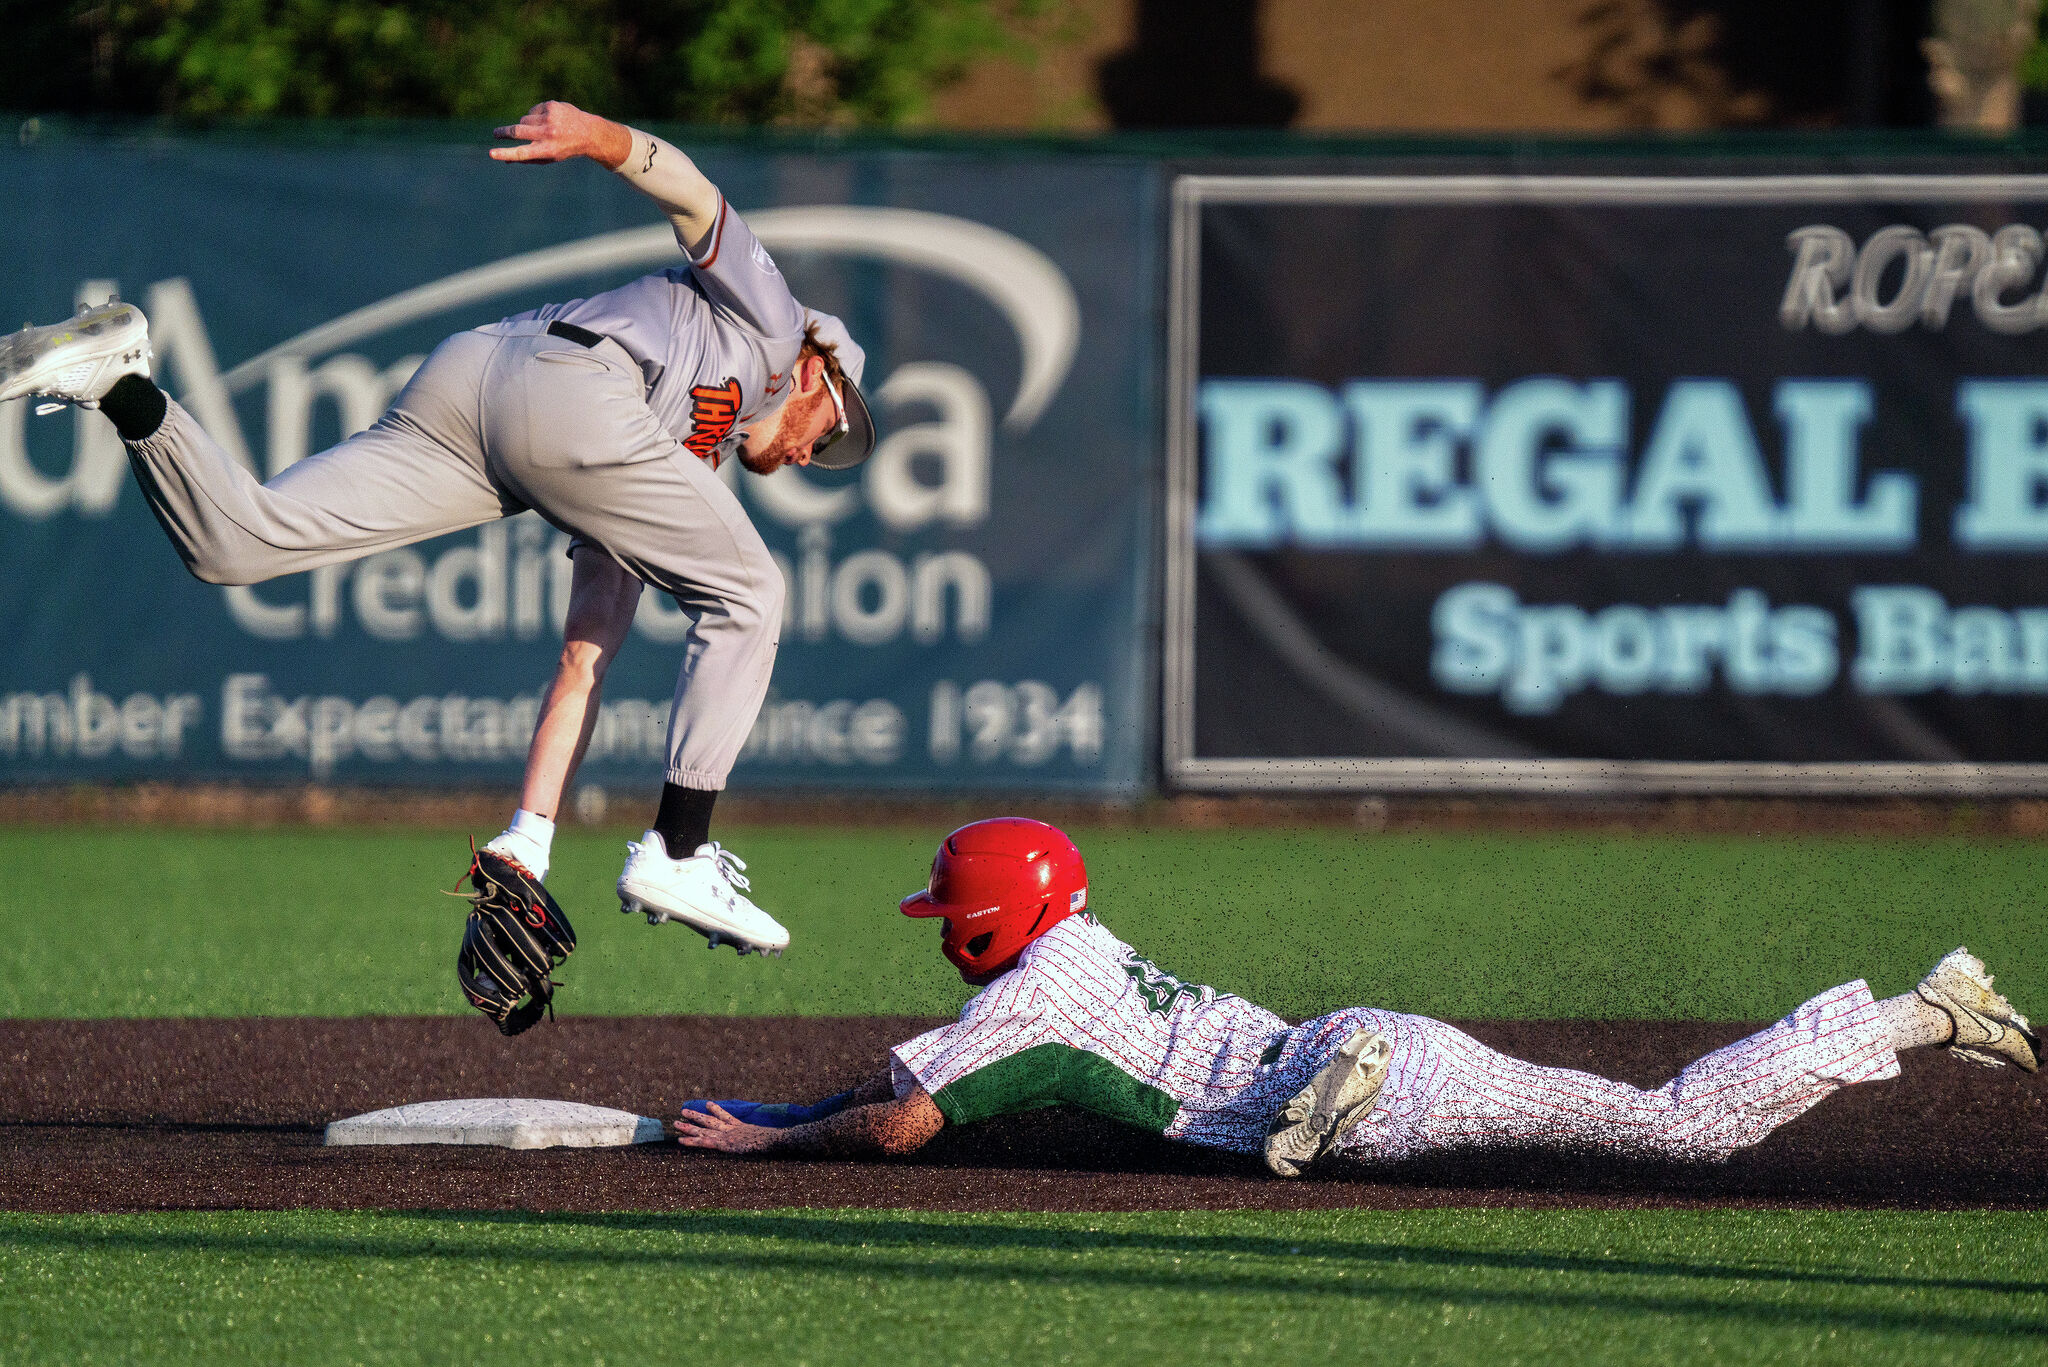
(797, 414)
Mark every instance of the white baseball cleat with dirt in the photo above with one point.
(1336, 1098)
(75, 361)
(701, 892)
(1988, 1030)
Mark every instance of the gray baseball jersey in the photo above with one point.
(614, 441)
(715, 340)
(1083, 1020)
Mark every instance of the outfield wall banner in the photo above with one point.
(1608, 484)
(969, 611)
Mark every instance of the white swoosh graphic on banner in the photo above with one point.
(1032, 292)
(1022, 282)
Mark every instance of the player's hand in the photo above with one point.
(714, 1128)
(556, 130)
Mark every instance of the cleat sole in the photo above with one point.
(713, 939)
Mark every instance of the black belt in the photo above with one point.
(580, 336)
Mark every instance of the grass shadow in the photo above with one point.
(949, 1251)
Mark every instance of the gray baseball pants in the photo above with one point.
(496, 421)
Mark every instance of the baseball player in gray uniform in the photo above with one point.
(609, 417)
(1069, 1014)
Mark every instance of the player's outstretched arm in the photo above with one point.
(559, 131)
(895, 1126)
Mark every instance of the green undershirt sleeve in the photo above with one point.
(1052, 1074)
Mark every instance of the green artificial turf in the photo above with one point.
(148, 922)
(797, 1287)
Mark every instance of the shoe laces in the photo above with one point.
(729, 865)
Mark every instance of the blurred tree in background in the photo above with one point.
(2034, 65)
(703, 61)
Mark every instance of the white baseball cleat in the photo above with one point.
(1988, 1030)
(1338, 1097)
(78, 360)
(701, 892)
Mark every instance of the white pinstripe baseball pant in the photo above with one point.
(1447, 1091)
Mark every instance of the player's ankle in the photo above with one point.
(1914, 1022)
(684, 820)
(136, 406)
(530, 840)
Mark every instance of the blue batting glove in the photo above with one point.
(773, 1115)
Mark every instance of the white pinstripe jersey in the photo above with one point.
(1082, 1020)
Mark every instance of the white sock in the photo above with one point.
(1914, 1022)
(529, 839)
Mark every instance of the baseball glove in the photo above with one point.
(516, 937)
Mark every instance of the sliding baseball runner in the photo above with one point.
(609, 416)
(1069, 1014)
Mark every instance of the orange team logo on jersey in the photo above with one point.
(713, 411)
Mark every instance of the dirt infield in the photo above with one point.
(227, 1114)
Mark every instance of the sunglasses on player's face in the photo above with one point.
(841, 425)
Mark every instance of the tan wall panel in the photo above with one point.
(1405, 65)
(1483, 65)
(1055, 93)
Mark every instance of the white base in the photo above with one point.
(508, 1122)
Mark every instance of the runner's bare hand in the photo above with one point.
(715, 1129)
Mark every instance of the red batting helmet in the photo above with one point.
(1000, 884)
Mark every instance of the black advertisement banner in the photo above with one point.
(1609, 483)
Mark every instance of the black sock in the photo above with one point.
(684, 821)
(136, 406)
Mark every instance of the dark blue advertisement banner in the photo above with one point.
(970, 610)
(1609, 483)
